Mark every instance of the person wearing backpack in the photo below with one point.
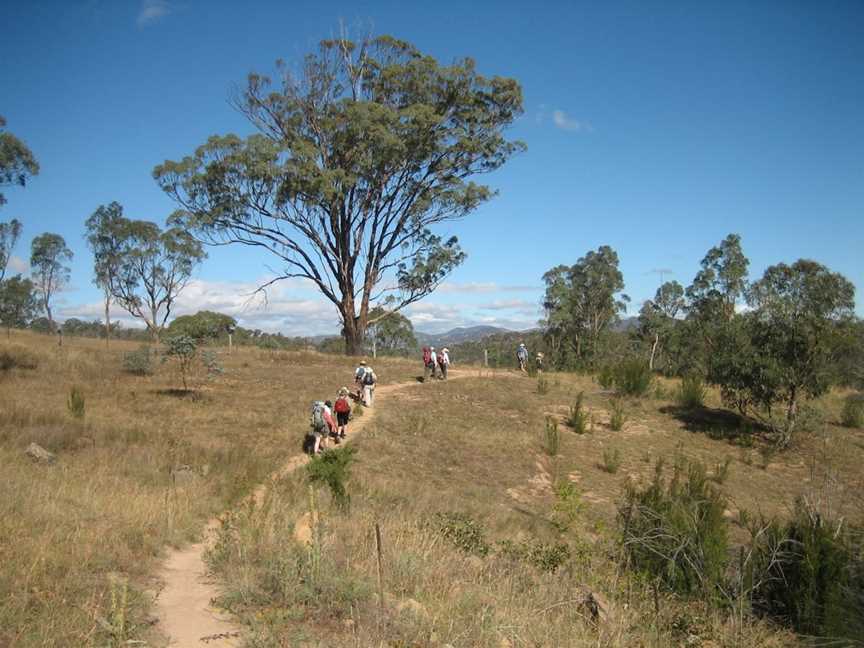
(343, 413)
(522, 357)
(368, 381)
(444, 362)
(428, 364)
(359, 372)
(318, 426)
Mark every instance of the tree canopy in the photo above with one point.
(48, 256)
(17, 162)
(356, 157)
(203, 325)
(9, 234)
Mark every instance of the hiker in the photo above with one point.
(329, 420)
(368, 383)
(428, 363)
(359, 372)
(343, 413)
(539, 362)
(522, 357)
(318, 425)
(444, 362)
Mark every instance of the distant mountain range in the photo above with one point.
(458, 335)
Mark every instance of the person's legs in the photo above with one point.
(370, 394)
(425, 372)
(444, 371)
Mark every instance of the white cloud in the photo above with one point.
(480, 287)
(18, 265)
(152, 11)
(509, 304)
(565, 122)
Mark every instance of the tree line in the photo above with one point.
(769, 344)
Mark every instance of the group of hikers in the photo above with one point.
(435, 363)
(522, 359)
(324, 427)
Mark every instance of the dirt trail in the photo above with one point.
(183, 606)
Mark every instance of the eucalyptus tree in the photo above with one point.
(582, 301)
(18, 303)
(9, 234)
(17, 163)
(107, 237)
(48, 258)
(152, 270)
(357, 156)
(658, 317)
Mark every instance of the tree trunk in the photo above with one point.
(653, 351)
(354, 339)
(107, 319)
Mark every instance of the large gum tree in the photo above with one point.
(356, 157)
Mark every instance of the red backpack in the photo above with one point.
(427, 356)
(342, 406)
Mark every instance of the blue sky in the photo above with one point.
(653, 127)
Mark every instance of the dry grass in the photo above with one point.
(474, 447)
(101, 515)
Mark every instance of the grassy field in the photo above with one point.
(489, 538)
(144, 468)
(482, 546)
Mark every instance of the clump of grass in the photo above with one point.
(606, 376)
(567, 505)
(551, 437)
(578, 418)
(632, 377)
(15, 356)
(332, 468)
(138, 362)
(542, 385)
(76, 402)
(543, 556)
(611, 460)
(691, 392)
(618, 417)
(852, 415)
(463, 531)
(357, 410)
(721, 471)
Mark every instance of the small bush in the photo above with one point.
(611, 460)
(567, 505)
(674, 531)
(464, 532)
(551, 437)
(632, 377)
(542, 385)
(618, 417)
(211, 363)
(75, 403)
(606, 376)
(545, 557)
(691, 392)
(809, 573)
(184, 351)
(332, 468)
(138, 363)
(578, 418)
(853, 411)
(17, 357)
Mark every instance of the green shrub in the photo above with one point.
(464, 532)
(578, 418)
(611, 460)
(691, 392)
(75, 403)
(332, 468)
(618, 417)
(606, 376)
(184, 351)
(545, 557)
(211, 363)
(674, 531)
(138, 363)
(15, 356)
(567, 505)
(632, 377)
(542, 385)
(809, 573)
(551, 437)
(853, 411)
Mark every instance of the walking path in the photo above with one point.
(183, 606)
